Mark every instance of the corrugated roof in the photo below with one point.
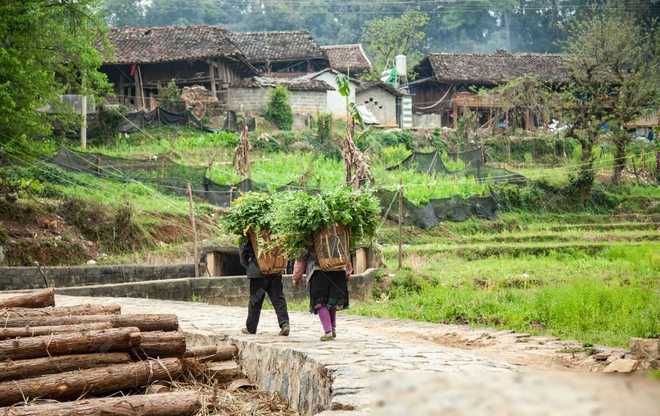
(171, 43)
(277, 46)
(346, 58)
(496, 68)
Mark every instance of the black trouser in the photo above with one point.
(259, 286)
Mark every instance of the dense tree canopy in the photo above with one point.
(613, 69)
(48, 48)
(456, 25)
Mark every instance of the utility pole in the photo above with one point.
(83, 125)
(400, 223)
(194, 228)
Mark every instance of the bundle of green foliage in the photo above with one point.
(278, 110)
(251, 211)
(297, 216)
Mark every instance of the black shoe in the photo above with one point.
(285, 330)
(247, 331)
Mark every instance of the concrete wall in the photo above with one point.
(427, 121)
(255, 100)
(225, 290)
(17, 278)
(381, 103)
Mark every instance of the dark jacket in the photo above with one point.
(249, 261)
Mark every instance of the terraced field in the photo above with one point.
(591, 278)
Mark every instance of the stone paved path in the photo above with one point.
(393, 367)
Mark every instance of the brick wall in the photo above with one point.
(255, 100)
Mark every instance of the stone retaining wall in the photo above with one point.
(18, 278)
(304, 382)
(222, 290)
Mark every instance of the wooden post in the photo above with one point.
(212, 78)
(194, 228)
(83, 124)
(400, 222)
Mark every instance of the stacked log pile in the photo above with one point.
(94, 360)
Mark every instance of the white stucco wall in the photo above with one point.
(381, 104)
(336, 104)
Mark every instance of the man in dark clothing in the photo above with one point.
(260, 285)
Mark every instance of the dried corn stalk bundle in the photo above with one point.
(242, 155)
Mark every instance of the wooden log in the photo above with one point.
(36, 299)
(7, 333)
(162, 344)
(16, 370)
(224, 371)
(212, 353)
(184, 403)
(87, 309)
(165, 322)
(93, 381)
(108, 340)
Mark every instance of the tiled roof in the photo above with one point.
(366, 85)
(170, 43)
(496, 68)
(346, 58)
(277, 46)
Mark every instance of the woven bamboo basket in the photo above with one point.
(270, 260)
(332, 247)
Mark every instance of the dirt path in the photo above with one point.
(392, 367)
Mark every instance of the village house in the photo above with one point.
(446, 84)
(349, 59)
(143, 60)
(381, 101)
(283, 54)
(242, 69)
(307, 97)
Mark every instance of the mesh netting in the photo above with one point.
(431, 163)
(172, 178)
(438, 210)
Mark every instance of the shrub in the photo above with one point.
(170, 97)
(381, 139)
(278, 110)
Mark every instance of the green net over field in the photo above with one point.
(173, 178)
(431, 163)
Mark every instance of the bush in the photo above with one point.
(170, 97)
(106, 125)
(278, 110)
(381, 139)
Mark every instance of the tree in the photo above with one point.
(610, 81)
(48, 48)
(121, 13)
(278, 109)
(390, 36)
